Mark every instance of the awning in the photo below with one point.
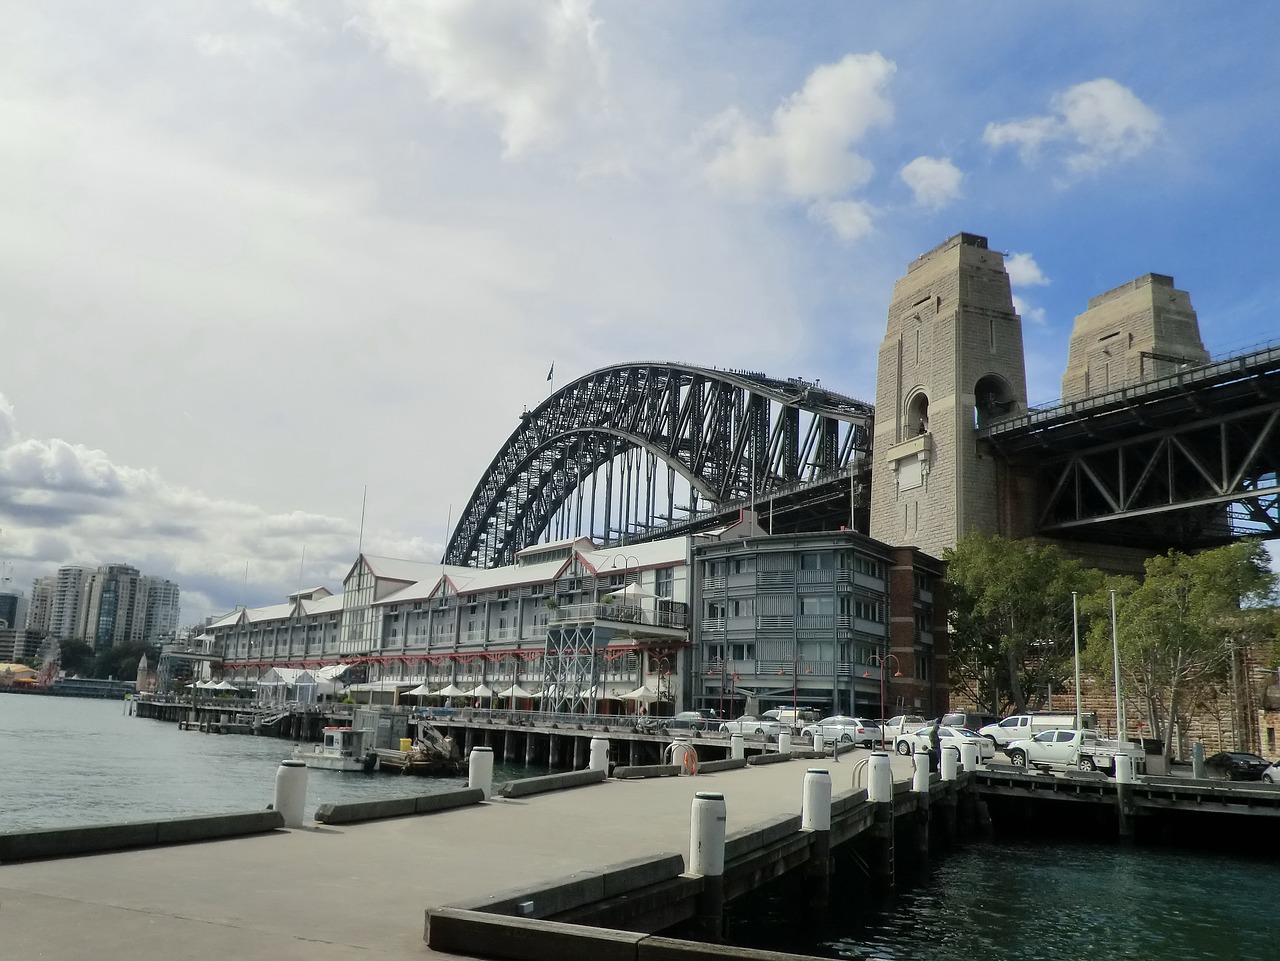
(451, 690)
(516, 691)
(642, 694)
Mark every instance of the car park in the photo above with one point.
(918, 740)
(749, 724)
(688, 721)
(902, 724)
(845, 729)
(1236, 766)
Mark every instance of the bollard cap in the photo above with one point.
(818, 770)
(709, 796)
(879, 754)
(290, 762)
(487, 750)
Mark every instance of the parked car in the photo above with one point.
(749, 724)
(792, 718)
(1022, 727)
(689, 721)
(1065, 749)
(841, 727)
(1236, 766)
(969, 720)
(902, 724)
(915, 740)
(1272, 774)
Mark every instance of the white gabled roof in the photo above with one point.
(399, 569)
(276, 612)
(227, 620)
(663, 553)
(324, 605)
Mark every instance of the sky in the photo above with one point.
(269, 265)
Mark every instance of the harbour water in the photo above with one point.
(65, 761)
(1003, 901)
(69, 761)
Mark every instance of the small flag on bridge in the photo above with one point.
(552, 370)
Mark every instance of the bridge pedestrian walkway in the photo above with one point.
(324, 893)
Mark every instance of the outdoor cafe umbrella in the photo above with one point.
(516, 691)
(420, 691)
(642, 694)
(632, 592)
(225, 685)
(481, 690)
(450, 690)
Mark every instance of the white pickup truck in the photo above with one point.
(1082, 750)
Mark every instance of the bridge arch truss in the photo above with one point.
(612, 454)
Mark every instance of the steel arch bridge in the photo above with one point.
(609, 455)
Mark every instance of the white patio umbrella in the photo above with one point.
(420, 691)
(225, 685)
(632, 592)
(481, 690)
(516, 691)
(450, 690)
(642, 694)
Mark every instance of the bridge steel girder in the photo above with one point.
(1187, 461)
(730, 435)
(1197, 468)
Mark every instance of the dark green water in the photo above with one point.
(999, 901)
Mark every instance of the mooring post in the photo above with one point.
(815, 816)
(969, 757)
(819, 743)
(880, 794)
(599, 755)
(291, 792)
(480, 770)
(706, 858)
(737, 747)
(1197, 760)
(784, 742)
(920, 787)
(1124, 795)
(950, 763)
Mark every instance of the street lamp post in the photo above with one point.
(1122, 728)
(879, 661)
(1075, 630)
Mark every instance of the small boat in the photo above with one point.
(341, 750)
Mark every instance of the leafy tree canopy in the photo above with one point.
(1012, 630)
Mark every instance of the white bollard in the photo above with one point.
(950, 763)
(480, 770)
(920, 779)
(706, 834)
(819, 743)
(969, 756)
(599, 755)
(784, 743)
(737, 747)
(815, 807)
(291, 792)
(879, 779)
(1124, 769)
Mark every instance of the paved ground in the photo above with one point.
(324, 893)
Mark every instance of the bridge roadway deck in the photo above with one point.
(323, 893)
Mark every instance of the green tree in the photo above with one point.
(122, 661)
(1178, 632)
(75, 657)
(1012, 633)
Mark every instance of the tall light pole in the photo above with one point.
(879, 661)
(1122, 728)
(1075, 630)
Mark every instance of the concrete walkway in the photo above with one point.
(323, 893)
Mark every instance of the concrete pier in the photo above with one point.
(324, 892)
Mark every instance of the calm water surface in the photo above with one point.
(68, 761)
(996, 901)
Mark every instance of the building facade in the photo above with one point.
(819, 621)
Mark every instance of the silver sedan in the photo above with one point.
(749, 724)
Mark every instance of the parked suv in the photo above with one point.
(1021, 727)
(973, 720)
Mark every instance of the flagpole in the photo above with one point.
(551, 378)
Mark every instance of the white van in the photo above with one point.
(1025, 726)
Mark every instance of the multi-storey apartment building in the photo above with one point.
(40, 610)
(816, 620)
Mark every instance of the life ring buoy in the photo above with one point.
(683, 756)
(690, 762)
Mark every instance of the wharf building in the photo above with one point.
(574, 628)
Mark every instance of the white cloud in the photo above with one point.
(535, 67)
(1100, 121)
(806, 151)
(1026, 311)
(935, 181)
(63, 503)
(1024, 271)
(849, 219)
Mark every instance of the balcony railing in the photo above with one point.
(669, 614)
